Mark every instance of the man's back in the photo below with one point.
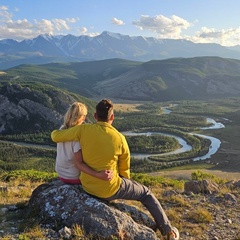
(103, 147)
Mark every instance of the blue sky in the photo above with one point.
(200, 21)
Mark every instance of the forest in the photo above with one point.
(148, 117)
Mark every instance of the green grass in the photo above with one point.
(30, 175)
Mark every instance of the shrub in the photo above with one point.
(27, 175)
(199, 175)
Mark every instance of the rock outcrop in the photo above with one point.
(26, 109)
(204, 186)
(63, 205)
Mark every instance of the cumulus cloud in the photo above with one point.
(84, 31)
(60, 24)
(225, 37)
(23, 28)
(117, 21)
(5, 15)
(163, 26)
(72, 20)
(174, 26)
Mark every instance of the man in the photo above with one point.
(103, 147)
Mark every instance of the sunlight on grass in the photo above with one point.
(127, 107)
(32, 233)
(200, 215)
(78, 232)
(177, 200)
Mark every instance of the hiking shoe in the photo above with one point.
(173, 235)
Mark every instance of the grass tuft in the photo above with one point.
(200, 215)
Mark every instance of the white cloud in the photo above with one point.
(226, 37)
(163, 26)
(173, 27)
(60, 24)
(5, 15)
(72, 20)
(117, 21)
(19, 24)
(3, 8)
(84, 31)
(23, 28)
(43, 26)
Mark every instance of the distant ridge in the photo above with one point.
(69, 48)
(198, 78)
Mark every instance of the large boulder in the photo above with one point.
(60, 205)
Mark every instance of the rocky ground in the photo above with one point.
(225, 224)
(213, 215)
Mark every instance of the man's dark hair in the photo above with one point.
(104, 110)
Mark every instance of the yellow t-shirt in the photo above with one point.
(103, 147)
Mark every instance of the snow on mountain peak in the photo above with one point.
(113, 35)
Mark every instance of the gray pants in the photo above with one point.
(131, 190)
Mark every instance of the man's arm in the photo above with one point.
(105, 175)
(66, 135)
(124, 160)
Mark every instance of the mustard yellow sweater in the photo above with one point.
(103, 147)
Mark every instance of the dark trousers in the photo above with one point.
(131, 190)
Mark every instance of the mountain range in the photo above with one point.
(69, 48)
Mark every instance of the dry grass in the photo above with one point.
(186, 173)
(127, 107)
(200, 215)
(32, 233)
(17, 191)
(190, 214)
(78, 232)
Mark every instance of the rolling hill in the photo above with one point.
(156, 80)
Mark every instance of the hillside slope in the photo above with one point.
(34, 108)
(159, 80)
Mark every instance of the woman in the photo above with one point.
(69, 160)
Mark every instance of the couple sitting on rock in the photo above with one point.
(102, 155)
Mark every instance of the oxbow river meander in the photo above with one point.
(214, 146)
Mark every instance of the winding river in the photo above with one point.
(214, 146)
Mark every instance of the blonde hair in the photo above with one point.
(75, 115)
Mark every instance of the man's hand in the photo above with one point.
(105, 175)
